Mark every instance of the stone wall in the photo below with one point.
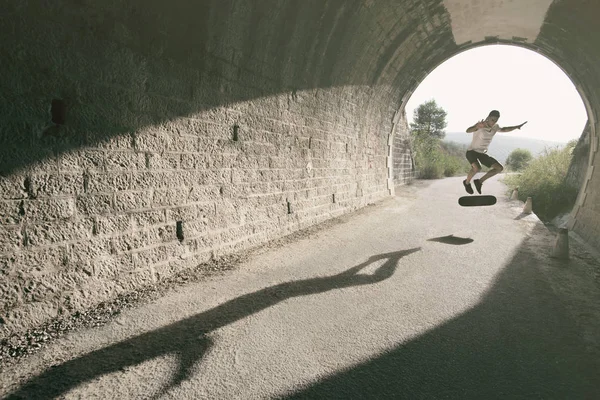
(578, 169)
(140, 138)
(404, 168)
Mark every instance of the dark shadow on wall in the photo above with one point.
(182, 338)
(122, 66)
(520, 342)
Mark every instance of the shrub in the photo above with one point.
(434, 161)
(544, 181)
(430, 170)
(518, 159)
(451, 165)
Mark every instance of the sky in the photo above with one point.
(522, 84)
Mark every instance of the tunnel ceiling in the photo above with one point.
(509, 20)
(389, 46)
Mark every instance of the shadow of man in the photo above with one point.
(186, 339)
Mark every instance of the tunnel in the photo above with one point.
(141, 138)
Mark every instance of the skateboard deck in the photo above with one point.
(485, 200)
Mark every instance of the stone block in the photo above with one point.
(111, 224)
(109, 267)
(123, 142)
(84, 251)
(11, 238)
(150, 179)
(194, 161)
(82, 160)
(125, 160)
(107, 182)
(136, 278)
(95, 204)
(131, 241)
(163, 160)
(147, 257)
(7, 264)
(186, 213)
(152, 141)
(35, 288)
(12, 188)
(165, 233)
(190, 128)
(56, 184)
(170, 197)
(194, 228)
(229, 161)
(11, 211)
(10, 294)
(182, 144)
(34, 261)
(45, 163)
(44, 210)
(133, 200)
(200, 193)
(43, 234)
(169, 268)
(142, 219)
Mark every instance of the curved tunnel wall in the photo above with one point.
(198, 128)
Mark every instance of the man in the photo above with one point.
(483, 133)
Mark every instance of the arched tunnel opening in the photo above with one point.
(141, 138)
(522, 83)
(524, 86)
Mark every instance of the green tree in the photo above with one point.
(429, 120)
(518, 159)
(427, 130)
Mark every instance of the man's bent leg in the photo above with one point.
(496, 169)
(474, 170)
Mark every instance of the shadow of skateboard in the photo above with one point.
(468, 201)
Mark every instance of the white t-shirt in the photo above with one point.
(482, 138)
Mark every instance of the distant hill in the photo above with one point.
(504, 144)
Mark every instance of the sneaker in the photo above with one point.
(468, 187)
(478, 185)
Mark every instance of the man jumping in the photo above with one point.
(483, 133)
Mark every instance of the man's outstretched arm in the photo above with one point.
(511, 128)
(475, 127)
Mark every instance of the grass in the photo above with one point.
(544, 180)
(435, 160)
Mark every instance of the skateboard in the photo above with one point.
(485, 200)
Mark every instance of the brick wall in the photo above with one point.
(189, 129)
(403, 161)
(192, 130)
(186, 130)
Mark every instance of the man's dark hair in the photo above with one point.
(494, 113)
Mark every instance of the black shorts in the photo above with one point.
(476, 157)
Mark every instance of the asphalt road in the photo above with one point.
(412, 298)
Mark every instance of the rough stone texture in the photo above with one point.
(238, 121)
(496, 19)
(577, 173)
(403, 171)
